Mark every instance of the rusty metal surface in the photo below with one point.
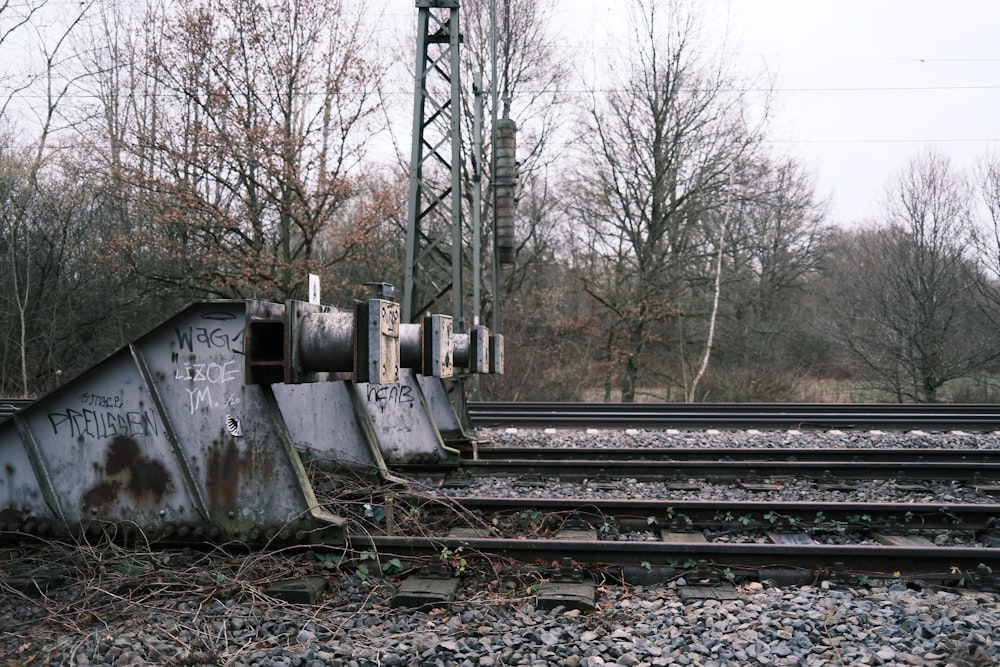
(164, 436)
(403, 422)
(194, 431)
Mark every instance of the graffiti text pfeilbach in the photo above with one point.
(99, 424)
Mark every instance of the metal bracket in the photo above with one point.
(496, 354)
(984, 580)
(576, 522)
(436, 569)
(567, 572)
(840, 577)
(991, 536)
(438, 346)
(376, 341)
(703, 575)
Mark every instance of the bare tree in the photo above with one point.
(659, 151)
(987, 231)
(774, 253)
(16, 19)
(905, 292)
(246, 138)
(27, 209)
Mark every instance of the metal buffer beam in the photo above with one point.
(431, 353)
(378, 413)
(171, 437)
(197, 430)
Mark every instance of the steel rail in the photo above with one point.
(733, 513)
(743, 462)
(907, 417)
(735, 470)
(932, 562)
(937, 563)
(11, 406)
(896, 455)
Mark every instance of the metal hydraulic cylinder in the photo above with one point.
(325, 341)
(472, 350)
(429, 347)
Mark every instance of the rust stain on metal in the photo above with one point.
(146, 477)
(10, 515)
(144, 480)
(102, 495)
(121, 454)
(222, 476)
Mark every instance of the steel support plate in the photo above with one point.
(442, 410)
(720, 592)
(298, 591)
(377, 341)
(420, 591)
(438, 346)
(682, 538)
(403, 422)
(902, 540)
(791, 538)
(580, 596)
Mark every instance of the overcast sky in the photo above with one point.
(861, 85)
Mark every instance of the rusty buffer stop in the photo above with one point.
(195, 430)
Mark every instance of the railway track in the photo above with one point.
(527, 526)
(936, 542)
(907, 535)
(812, 416)
(931, 543)
(666, 463)
(11, 406)
(925, 541)
(762, 529)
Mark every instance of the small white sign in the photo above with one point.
(313, 289)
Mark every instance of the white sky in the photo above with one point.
(861, 85)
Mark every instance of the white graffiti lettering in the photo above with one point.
(199, 398)
(212, 373)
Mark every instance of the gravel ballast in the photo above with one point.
(121, 608)
(355, 626)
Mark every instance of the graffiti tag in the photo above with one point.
(385, 394)
(96, 424)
